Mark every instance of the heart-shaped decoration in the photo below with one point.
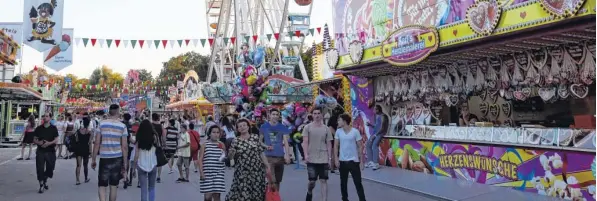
(455, 32)
(493, 95)
(507, 108)
(483, 16)
(547, 94)
(484, 108)
(332, 56)
(451, 100)
(561, 8)
(563, 92)
(356, 51)
(579, 90)
(494, 110)
(520, 95)
(483, 95)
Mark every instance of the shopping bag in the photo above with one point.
(272, 195)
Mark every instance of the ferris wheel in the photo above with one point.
(232, 24)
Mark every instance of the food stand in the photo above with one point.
(525, 69)
(17, 102)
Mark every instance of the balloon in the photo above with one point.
(286, 122)
(264, 96)
(263, 73)
(284, 114)
(251, 80)
(245, 92)
(238, 81)
(237, 100)
(298, 121)
(252, 99)
(258, 56)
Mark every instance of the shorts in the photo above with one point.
(184, 161)
(194, 155)
(110, 171)
(277, 165)
(317, 171)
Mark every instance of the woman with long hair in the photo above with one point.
(228, 132)
(27, 138)
(251, 165)
(146, 159)
(83, 149)
(211, 166)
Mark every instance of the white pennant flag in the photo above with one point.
(101, 42)
(195, 41)
(149, 43)
(126, 43)
(77, 41)
(172, 43)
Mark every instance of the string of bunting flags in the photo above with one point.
(140, 43)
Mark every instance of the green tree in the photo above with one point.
(106, 74)
(145, 75)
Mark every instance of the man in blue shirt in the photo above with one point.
(275, 135)
(379, 130)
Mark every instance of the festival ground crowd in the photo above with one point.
(123, 147)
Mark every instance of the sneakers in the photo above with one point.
(309, 197)
(369, 164)
(375, 167)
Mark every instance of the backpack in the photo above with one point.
(194, 135)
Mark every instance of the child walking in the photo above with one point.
(211, 165)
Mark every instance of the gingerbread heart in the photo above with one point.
(520, 95)
(547, 94)
(332, 56)
(493, 95)
(563, 92)
(356, 51)
(561, 8)
(451, 100)
(483, 108)
(483, 95)
(494, 110)
(483, 16)
(507, 108)
(579, 90)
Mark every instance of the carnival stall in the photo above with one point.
(496, 92)
(189, 99)
(82, 104)
(8, 49)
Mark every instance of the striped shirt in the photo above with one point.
(111, 132)
(171, 139)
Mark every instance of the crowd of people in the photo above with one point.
(141, 146)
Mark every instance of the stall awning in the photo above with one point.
(196, 102)
(576, 30)
(318, 82)
(17, 91)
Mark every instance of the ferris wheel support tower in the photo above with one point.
(238, 20)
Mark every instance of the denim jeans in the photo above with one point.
(372, 147)
(147, 182)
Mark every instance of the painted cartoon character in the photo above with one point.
(42, 24)
(412, 159)
(244, 55)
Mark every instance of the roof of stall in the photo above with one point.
(17, 91)
(196, 102)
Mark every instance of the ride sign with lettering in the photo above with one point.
(410, 45)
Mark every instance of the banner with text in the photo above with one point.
(61, 55)
(42, 23)
(556, 173)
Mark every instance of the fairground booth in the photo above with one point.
(187, 98)
(496, 92)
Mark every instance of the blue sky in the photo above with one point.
(135, 19)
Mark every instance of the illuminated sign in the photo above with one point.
(410, 45)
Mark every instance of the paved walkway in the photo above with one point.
(18, 183)
(445, 188)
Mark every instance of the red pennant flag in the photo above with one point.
(297, 33)
(255, 38)
(117, 42)
(164, 42)
(141, 42)
(318, 30)
(211, 41)
(93, 40)
(277, 35)
(186, 41)
(233, 39)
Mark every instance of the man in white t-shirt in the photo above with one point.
(349, 144)
(184, 154)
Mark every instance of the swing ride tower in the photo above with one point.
(231, 22)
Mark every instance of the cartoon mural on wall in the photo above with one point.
(361, 92)
(564, 174)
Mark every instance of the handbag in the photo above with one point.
(272, 195)
(159, 153)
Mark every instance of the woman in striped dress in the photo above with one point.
(211, 165)
(171, 143)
